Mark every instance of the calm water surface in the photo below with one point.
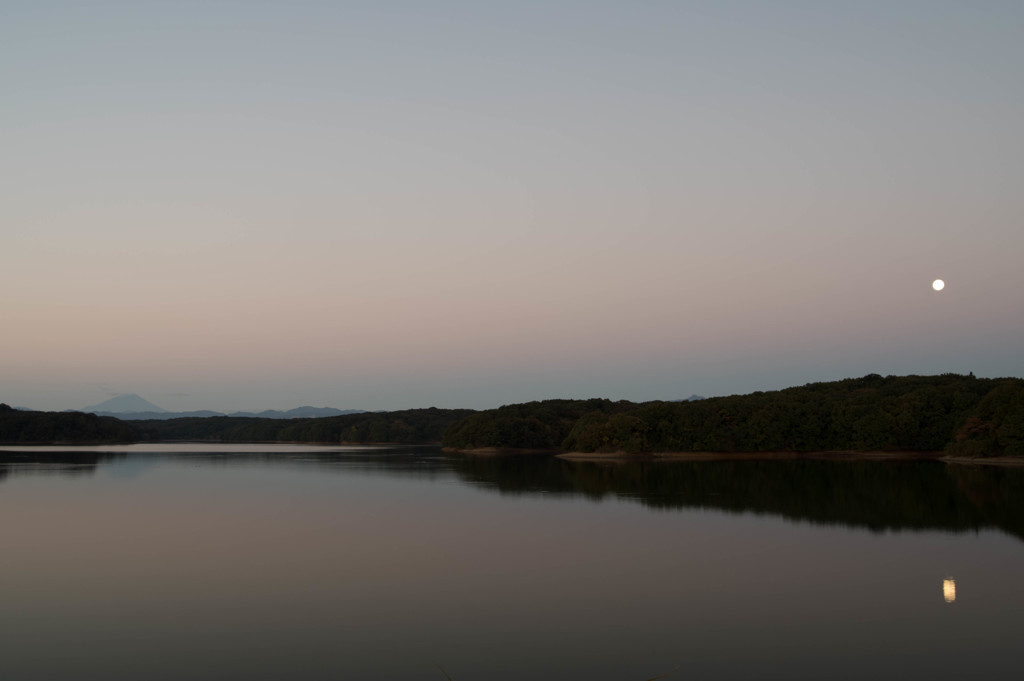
(286, 562)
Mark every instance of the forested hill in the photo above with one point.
(962, 415)
(413, 426)
(37, 427)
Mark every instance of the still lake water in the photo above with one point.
(196, 562)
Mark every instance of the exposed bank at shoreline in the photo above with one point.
(843, 455)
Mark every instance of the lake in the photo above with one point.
(187, 561)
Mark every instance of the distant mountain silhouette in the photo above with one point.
(134, 408)
(691, 398)
(299, 413)
(123, 404)
(151, 414)
(148, 415)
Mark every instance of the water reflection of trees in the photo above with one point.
(421, 462)
(878, 495)
(414, 461)
(66, 463)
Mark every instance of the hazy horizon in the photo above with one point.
(245, 206)
(481, 406)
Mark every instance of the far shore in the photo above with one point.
(503, 451)
(619, 456)
(837, 455)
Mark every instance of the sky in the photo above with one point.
(251, 204)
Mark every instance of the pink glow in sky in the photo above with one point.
(228, 205)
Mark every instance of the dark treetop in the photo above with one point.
(962, 415)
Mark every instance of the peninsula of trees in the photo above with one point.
(67, 427)
(413, 426)
(955, 414)
(960, 415)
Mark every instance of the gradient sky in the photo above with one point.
(384, 205)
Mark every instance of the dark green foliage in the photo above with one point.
(996, 425)
(873, 413)
(533, 425)
(964, 415)
(213, 428)
(44, 427)
(413, 426)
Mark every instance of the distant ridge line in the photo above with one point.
(132, 407)
(297, 413)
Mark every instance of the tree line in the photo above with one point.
(962, 415)
(72, 427)
(412, 426)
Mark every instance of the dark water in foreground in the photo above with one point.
(195, 562)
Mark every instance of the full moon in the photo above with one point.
(938, 284)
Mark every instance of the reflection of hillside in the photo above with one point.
(890, 495)
(871, 494)
(420, 462)
(70, 463)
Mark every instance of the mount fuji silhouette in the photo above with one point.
(132, 407)
(124, 404)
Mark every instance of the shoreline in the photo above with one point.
(1009, 461)
(832, 455)
(608, 457)
(503, 451)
